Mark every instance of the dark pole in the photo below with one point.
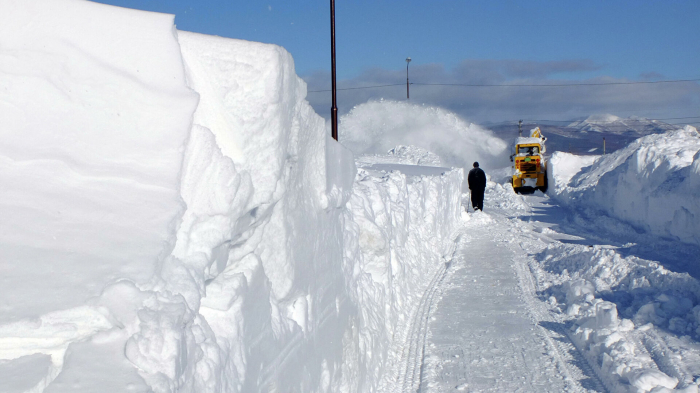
(408, 60)
(334, 108)
(520, 128)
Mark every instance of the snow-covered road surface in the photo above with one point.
(484, 336)
(502, 318)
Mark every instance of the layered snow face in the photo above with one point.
(403, 221)
(652, 183)
(378, 126)
(92, 136)
(176, 219)
(95, 113)
(258, 258)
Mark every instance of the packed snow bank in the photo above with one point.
(286, 249)
(378, 126)
(95, 113)
(92, 134)
(258, 258)
(652, 183)
(216, 245)
(401, 229)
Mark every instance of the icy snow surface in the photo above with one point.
(175, 219)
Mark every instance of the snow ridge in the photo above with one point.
(651, 184)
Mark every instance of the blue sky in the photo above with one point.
(465, 41)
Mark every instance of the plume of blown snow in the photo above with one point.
(375, 127)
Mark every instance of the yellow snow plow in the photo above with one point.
(529, 164)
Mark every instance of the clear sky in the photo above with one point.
(467, 42)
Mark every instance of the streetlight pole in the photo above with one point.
(408, 60)
(334, 108)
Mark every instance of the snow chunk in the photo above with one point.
(647, 380)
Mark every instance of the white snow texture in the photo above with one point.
(176, 219)
(652, 183)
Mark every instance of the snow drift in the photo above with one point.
(652, 184)
(176, 219)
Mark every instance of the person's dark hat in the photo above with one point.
(476, 164)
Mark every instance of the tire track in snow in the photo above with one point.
(562, 346)
(411, 361)
(502, 355)
(568, 351)
(406, 362)
(407, 372)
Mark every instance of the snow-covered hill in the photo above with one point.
(585, 137)
(611, 124)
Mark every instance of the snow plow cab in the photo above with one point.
(529, 164)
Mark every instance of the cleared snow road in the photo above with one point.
(485, 334)
(501, 319)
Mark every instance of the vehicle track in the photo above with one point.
(484, 358)
(407, 375)
(408, 362)
(571, 360)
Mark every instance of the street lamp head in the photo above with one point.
(408, 60)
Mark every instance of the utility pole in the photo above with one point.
(520, 128)
(408, 60)
(334, 108)
(603, 145)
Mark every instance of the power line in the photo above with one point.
(680, 124)
(357, 88)
(558, 84)
(515, 85)
(678, 118)
(528, 121)
(574, 121)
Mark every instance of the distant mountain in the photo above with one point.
(584, 137)
(615, 125)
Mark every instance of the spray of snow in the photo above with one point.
(378, 126)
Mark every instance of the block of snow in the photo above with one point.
(95, 116)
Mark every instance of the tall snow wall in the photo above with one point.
(652, 184)
(218, 240)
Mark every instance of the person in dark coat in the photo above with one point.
(477, 184)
